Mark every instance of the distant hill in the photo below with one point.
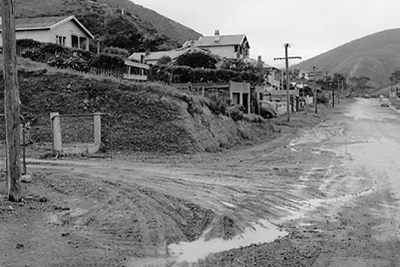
(376, 56)
(118, 23)
(164, 25)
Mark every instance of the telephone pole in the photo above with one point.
(286, 58)
(11, 102)
(315, 90)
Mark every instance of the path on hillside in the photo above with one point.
(329, 195)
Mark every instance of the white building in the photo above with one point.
(66, 31)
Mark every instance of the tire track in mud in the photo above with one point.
(155, 207)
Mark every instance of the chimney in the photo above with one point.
(216, 36)
(142, 59)
(259, 60)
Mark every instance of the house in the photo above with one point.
(274, 77)
(136, 71)
(225, 46)
(66, 31)
(152, 58)
(138, 64)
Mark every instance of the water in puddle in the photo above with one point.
(261, 232)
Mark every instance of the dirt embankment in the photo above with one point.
(138, 117)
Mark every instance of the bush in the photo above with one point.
(34, 54)
(76, 59)
(28, 44)
(55, 49)
(235, 112)
(197, 60)
(107, 62)
(218, 104)
(116, 51)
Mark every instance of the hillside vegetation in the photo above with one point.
(147, 117)
(135, 28)
(376, 56)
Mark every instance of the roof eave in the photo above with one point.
(72, 17)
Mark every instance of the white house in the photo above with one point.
(225, 46)
(66, 31)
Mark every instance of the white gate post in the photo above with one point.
(56, 125)
(97, 129)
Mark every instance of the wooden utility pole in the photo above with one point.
(286, 58)
(315, 90)
(11, 102)
(338, 88)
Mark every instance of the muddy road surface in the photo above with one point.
(326, 196)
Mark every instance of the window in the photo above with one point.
(60, 40)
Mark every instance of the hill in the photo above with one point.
(376, 56)
(118, 23)
(164, 25)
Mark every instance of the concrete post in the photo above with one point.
(97, 129)
(56, 126)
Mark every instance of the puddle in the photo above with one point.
(261, 232)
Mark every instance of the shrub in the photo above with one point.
(28, 43)
(116, 51)
(184, 74)
(55, 49)
(107, 62)
(197, 60)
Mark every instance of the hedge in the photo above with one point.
(182, 74)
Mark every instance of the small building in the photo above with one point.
(136, 71)
(274, 77)
(225, 46)
(240, 95)
(65, 30)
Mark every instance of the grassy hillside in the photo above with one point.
(164, 25)
(137, 29)
(375, 56)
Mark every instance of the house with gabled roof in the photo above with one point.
(151, 58)
(137, 64)
(63, 30)
(225, 46)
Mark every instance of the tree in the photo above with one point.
(337, 79)
(164, 60)
(395, 77)
(360, 83)
(197, 59)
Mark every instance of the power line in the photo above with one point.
(208, 6)
(286, 58)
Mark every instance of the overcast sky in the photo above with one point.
(311, 27)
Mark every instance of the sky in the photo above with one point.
(311, 27)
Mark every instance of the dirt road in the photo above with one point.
(328, 197)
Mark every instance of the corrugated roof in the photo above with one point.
(154, 56)
(46, 23)
(223, 40)
(39, 23)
